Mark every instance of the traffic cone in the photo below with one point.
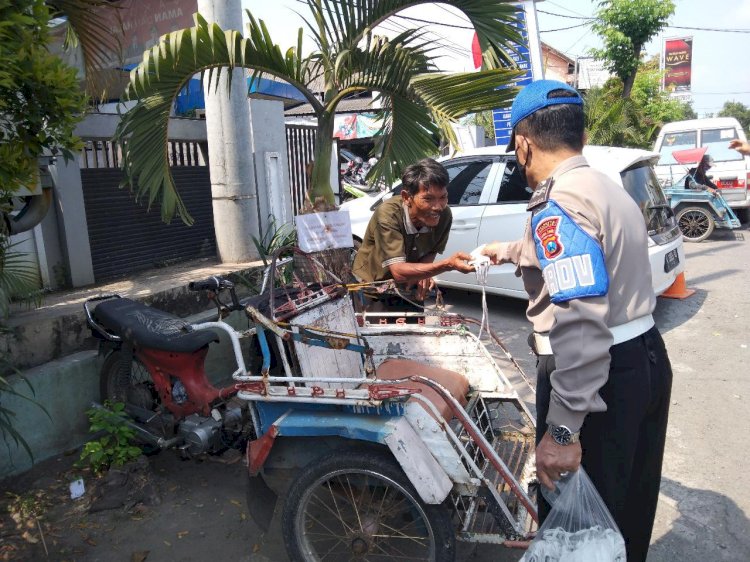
(678, 289)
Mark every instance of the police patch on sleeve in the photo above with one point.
(572, 261)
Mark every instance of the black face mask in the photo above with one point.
(522, 167)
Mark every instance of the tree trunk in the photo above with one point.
(320, 180)
(627, 84)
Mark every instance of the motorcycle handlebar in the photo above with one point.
(210, 284)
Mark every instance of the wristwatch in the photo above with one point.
(562, 435)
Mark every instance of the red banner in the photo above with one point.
(678, 56)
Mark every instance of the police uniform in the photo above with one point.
(602, 366)
(392, 238)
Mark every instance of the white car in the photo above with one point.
(488, 201)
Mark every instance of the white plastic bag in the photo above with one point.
(579, 527)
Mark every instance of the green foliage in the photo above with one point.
(625, 27)
(274, 238)
(348, 59)
(115, 447)
(485, 120)
(8, 429)
(609, 118)
(40, 102)
(633, 122)
(18, 278)
(737, 110)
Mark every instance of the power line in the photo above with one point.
(435, 22)
(718, 93)
(564, 16)
(709, 29)
(565, 28)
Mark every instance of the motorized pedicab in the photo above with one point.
(697, 209)
(389, 436)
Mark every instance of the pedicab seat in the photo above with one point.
(456, 383)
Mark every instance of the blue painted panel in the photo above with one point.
(351, 426)
(269, 412)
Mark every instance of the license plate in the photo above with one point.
(671, 260)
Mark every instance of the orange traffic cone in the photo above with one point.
(678, 289)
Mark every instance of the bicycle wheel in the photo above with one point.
(359, 505)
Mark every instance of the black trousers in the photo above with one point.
(623, 447)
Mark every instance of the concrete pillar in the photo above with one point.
(72, 227)
(271, 162)
(233, 190)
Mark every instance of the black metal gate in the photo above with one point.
(124, 237)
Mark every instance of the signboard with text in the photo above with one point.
(501, 117)
(678, 58)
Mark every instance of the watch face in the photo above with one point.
(560, 434)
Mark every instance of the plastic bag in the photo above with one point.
(579, 527)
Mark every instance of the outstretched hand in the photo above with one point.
(460, 262)
(495, 251)
(741, 147)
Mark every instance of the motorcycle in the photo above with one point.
(154, 364)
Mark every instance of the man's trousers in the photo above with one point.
(623, 447)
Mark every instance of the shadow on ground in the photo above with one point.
(705, 525)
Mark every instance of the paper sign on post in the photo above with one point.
(324, 231)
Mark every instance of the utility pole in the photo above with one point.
(233, 189)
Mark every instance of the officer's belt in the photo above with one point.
(540, 343)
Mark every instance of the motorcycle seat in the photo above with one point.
(149, 327)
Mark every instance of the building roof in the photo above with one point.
(353, 105)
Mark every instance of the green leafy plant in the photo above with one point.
(275, 237)
(115, 447)
(625, 27)
(8, 429)
(348, 59)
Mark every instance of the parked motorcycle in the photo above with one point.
(154, 364)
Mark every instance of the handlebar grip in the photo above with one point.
(210, 284)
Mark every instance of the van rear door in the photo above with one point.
(729, 171)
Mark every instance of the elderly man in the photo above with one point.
(408, 231)
(603, 375)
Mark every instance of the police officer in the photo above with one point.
(406, 233)
(603, 375)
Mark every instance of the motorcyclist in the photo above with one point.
(697, 178)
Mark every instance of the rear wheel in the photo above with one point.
(131, 384)
(359, 505)
(696, 223)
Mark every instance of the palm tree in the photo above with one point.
(418, 101)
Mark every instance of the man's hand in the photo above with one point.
(553, 459)
(460, 262)
(741, 147)
(424, 287)
(495, 251)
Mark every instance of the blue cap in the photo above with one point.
(534, 97)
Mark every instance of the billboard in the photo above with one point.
(591, 73)
(678, 57)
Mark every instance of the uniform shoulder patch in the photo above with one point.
(572, 261)
(541, 194)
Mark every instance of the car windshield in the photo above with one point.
(676, 141)
(717, 141)
(643, 186)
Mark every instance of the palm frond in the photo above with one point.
(166, 67)
(18, 276)
(347, 22)
(89, 24)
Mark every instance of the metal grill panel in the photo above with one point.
(126, 238)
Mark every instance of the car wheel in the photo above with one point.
(696, 223)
